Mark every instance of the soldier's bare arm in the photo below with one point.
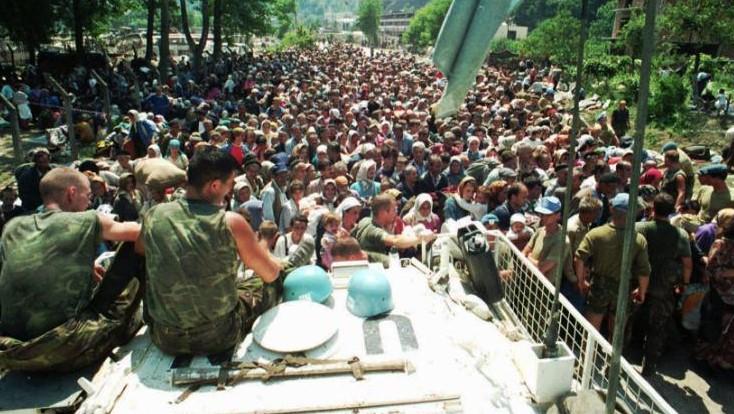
(116, 231)
(251, 252)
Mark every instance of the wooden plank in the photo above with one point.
(357, 405)
(67, 98)
(14, 130)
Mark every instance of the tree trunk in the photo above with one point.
(217, 29)
(31, 49)
(185, 26)
(163, 50)
(149, 31)
(204, 36)
(196, 50)
(78, 27)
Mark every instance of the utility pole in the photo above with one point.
(648, 47)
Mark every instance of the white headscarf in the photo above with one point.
(363, 169)
(419, 201)
(346, 204)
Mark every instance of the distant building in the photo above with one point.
(393, 24)
(511, 31)
(623, 14)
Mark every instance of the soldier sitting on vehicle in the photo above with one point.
(51, 316)
(193, 303)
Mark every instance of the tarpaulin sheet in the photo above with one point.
(461, 49)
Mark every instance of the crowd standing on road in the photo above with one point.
(270, 162)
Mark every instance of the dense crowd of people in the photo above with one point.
(330, 148)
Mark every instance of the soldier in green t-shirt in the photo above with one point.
(372, 235)
(714, 193)
(49, 299)
(194, 305)
(602, 249)
(669, 250)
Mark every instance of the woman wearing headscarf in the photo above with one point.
(462, 203)
(455, 171)
(366, 186)
(717, 331)
(154, 151)
(128, 201)
(175, 156)
(349, 211)
(422, 213)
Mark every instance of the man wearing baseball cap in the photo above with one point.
(598, 268)
(544, 248)
(714, 193)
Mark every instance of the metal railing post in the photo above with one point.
(14, 130)
(67, 97)
(587, 368)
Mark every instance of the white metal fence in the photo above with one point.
(530, 296)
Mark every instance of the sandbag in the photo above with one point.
(158, 174)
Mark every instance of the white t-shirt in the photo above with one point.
(285, 247)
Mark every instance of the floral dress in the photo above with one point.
(720, 271)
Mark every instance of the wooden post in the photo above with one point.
(14, 130)
(67, 97)
(106, 97)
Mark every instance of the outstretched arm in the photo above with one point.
(116, 231)
(252, 253)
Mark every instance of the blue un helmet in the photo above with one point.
(307, 283)
(369, 293)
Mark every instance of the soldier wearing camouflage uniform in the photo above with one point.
(53, 316)
(670, 258)
(194, 305)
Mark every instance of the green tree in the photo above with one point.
(283, 12)
(28, 22)
(217, 27)
(89, 17)
(699, 22)
(556, 39)
(164, 53)
(150, 27)
(196, 49)
(426, 23)
(368, 19)
(251, 17)
(302, 37)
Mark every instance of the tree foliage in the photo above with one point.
(283, 11)
(368, 19)
(28, 22)
(302, 37)
(556, 39)
(426, 23)
(698, 21)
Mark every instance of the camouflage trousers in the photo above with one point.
(656, 315)
(254, 298)
(110, 320)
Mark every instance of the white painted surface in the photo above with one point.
(547, 378)
(457, 354)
